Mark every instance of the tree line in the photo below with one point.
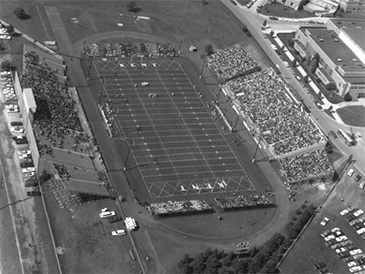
(263, 259)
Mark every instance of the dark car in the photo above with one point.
(34, 193)
(16, 123)
(114, 219)
(21, 141)
(358, 226)
(28, 164)
(351, 217)
(357, 178)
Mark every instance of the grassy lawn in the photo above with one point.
(283, 11)
(353, 115)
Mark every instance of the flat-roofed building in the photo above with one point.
(340, 45)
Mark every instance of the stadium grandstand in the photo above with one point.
(276, 119)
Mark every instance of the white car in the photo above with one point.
(359, 212)
(144, 65)
(355, 252)
(362, 184)
(12, 110)
(133, 65)
(345, 211)
(355, 269)
(28, 169)
(329, 237)
(341, 238)
(107, 214)
(298, 77)
(286, 63)
(17, 129)
(335, 229)
(324, 221)
(119, 232)
(11, 106)
(20, 152)
(350, 172)
(339, 250)
(351, 264)
(121, 65)
(144, 84)
(154, 64)
(360, 231)
(274, 47)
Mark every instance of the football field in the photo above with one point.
(177, 146)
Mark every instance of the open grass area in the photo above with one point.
(353, 115)
(274, 9)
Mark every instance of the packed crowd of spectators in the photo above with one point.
(309, 165)
(64, 197)
(34, 66)
(231, 62)
(179, 207)
(243, 202)
(62, 172)
(282, 124)
(128, 50)
(55, 109)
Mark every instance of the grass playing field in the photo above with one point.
(179, 150)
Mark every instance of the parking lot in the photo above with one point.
(334, 241)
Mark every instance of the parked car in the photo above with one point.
(346, 211)
(351, 218)
(335, 229)
(360, 231)
(355, 251)
(34, 193)
(336, 245)
(362, 184)
(344, 243)
(340, 250)
(358, 213)
(107, 214)
(274, 47)
(324, 221)
(341, 238)
(16, 123)
(331, 242)
(350, 172)
(119, 232)
(356, 221)
(355, 269)
(17, 130)
(329, 237)
(325, 233)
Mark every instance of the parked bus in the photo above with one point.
(348, 140)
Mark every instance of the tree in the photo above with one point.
(21, 14)
(184, 261)
(131, 6)
(290, 43)
(10, 29)
(6, 65)
(347, 97)
(208, 49)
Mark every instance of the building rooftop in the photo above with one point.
(336, 49)
(354, 28)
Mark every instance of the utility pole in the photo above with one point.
(257, 147)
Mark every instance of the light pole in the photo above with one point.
(126, 160)
(101, 90)
(201, 71)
